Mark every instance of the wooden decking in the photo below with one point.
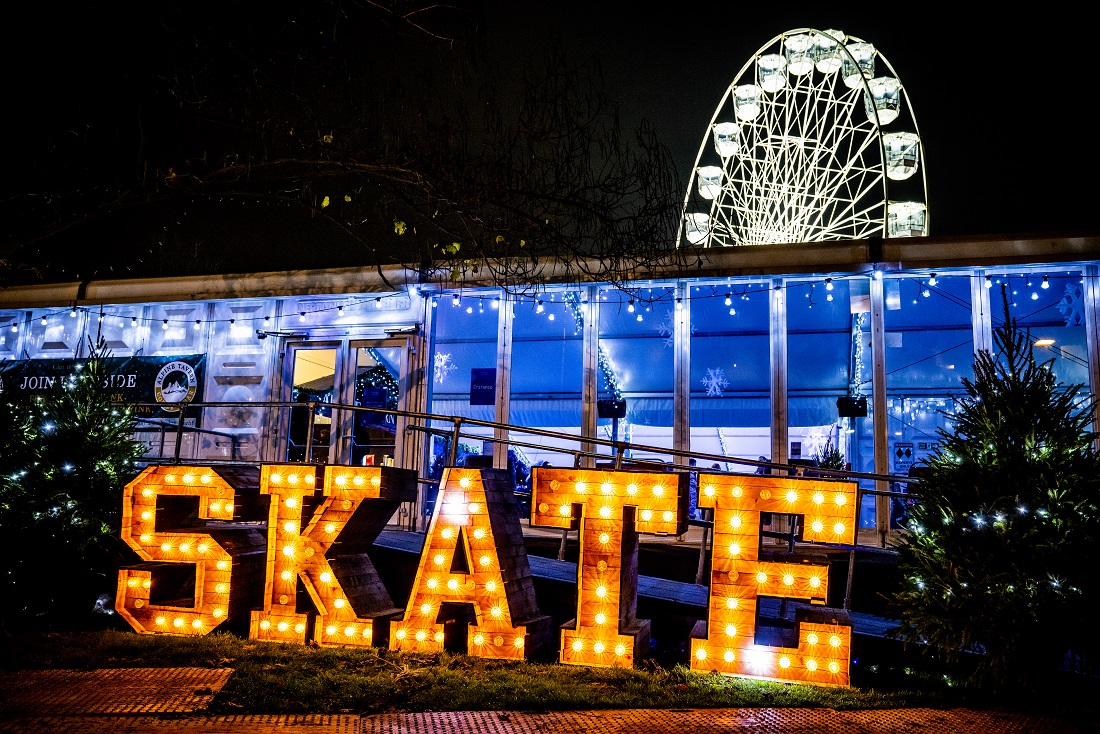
(677, 592)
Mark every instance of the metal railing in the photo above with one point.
(618, 454)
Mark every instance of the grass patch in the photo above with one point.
(283, 679)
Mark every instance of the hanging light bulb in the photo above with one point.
(679, 304)
(828, 284)
(165, 324)
(133, 321)
(100, 319)
(639, 317)
(989, 281)
(44, 320)
(14, 326)
(455, 300)
(267, 320)
(198, 323)
(630, 306)
(1034, 296)
(539, 308)
(1046, 283)
(301, 315)
(932, 279)
(72, 314)
(495, 303)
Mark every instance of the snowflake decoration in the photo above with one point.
(715, 382)
(667, 328)
(1072, 305)
(443, 367)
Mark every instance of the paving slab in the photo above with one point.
(186, 724)
(716, 721)
(110, 691)
(634, 721)
(161, 700)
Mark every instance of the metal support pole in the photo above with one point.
(308, 456)
(848, 585)
(878, 397)
(452, 455)
(703, 550)
(179, 430)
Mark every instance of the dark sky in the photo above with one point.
(1003, 100)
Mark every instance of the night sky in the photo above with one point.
(1002, 100)
(1004, 104)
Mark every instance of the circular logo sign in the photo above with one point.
(175, 383)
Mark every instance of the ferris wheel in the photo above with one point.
(814, 140)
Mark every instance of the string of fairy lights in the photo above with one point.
(643, 303)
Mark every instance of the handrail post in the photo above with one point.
(852, 555)
(308, 456)
(702, 553)
(848, 585)
(620, 449)
(179, 430)
(452, 455)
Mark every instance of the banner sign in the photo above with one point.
(483, 386)
(165, 380)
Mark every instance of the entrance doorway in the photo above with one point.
(364, 373)
(313, 379)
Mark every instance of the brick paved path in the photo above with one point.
(164, 700)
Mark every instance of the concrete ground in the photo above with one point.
(162, 700)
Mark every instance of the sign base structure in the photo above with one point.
(729, 642)
(320, 529)
(474, 556)
(609, 509)
(177, 519)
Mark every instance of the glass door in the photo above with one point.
(312, 378)
(371, 437)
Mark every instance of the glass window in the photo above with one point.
(55, 333)
(377, 385)
(465, 340)
(238, 369)
(929, 349)
(636, 355)
(11, 325)
(730, 382)
(1051, 306)
(170, 329)
(826, 369)
(546, 374)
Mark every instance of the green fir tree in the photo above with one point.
(67, 455)
(1000, 558)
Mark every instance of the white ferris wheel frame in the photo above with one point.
(812, 164)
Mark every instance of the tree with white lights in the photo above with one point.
(1000, 558)
(66, 457)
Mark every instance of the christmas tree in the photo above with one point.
(999, 561)
(67, 455)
